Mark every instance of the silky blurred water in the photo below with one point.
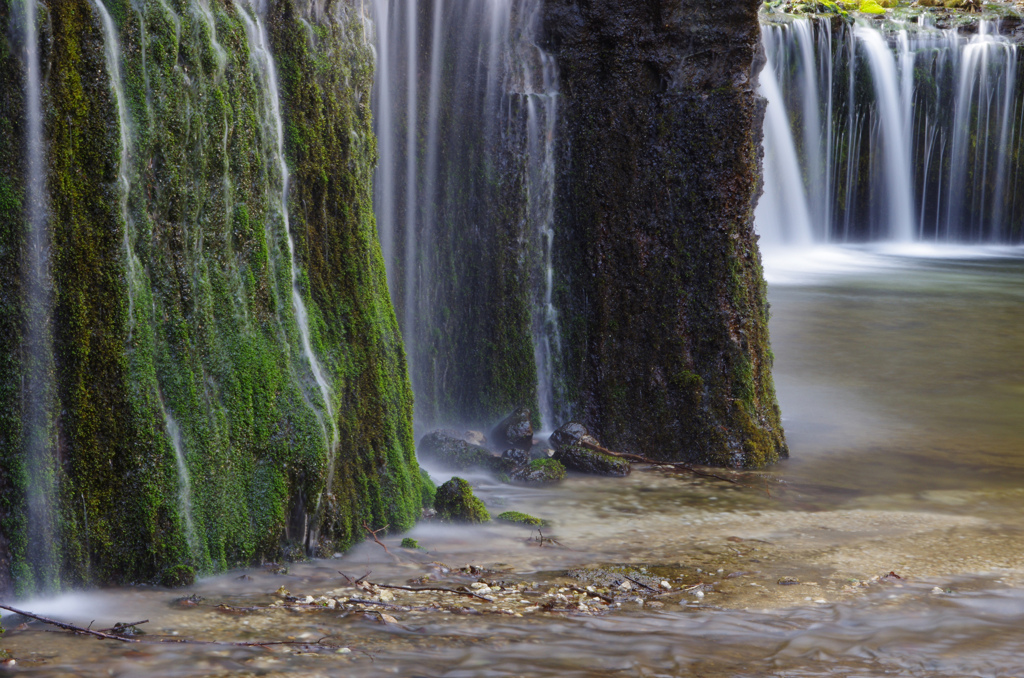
(901, 378)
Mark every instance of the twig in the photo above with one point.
(357, 581)
(390, 606)
(373, 533)
(436, 588)
(640, 583)
(69, 627)
(679, 466)
(595, 594)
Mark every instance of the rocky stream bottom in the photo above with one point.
(891, 543)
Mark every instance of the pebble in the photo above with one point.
(937, 590)
(665, 585)
(699, 594)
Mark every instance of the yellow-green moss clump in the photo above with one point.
(172, 303)
(521, 519)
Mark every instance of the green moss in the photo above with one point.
(455, 503)
(871, 7)
(521, 519)
(547, 470)
(428, 490)
(409, 543)
(177, 301)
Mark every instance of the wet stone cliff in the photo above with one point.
(658, 278)
(199, 360)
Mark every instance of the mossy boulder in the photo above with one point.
(410, 543)
(586, 460)
(515, 430)
(521, 519)
(538, 472)
(448, 449)
(455, 503)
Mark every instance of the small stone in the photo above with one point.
(699, 594)
(308, 600)
(665, 585)
(626, 586)
(343, 650)
(938, 591)
(282, 592)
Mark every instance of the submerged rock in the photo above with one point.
(450, 450)
(571, 434)
(515, 430)
(585, 460)
(455, 503)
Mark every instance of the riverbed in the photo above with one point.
(891, 542)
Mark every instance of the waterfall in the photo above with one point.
(260, 45)
(112, 53)
(41, 465)
(465, 104)
(184, 483)
(542, 115)
(898, 134)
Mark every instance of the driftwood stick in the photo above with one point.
(640, 583)
(594, 594)
(373, 533)
(69, 627)
(435, 588)
(679, 466)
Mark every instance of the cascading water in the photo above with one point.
(38, 354)
(264, 60)
(112, 52)
(903, 135)
(466, 104)
(184, 482)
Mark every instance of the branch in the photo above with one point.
(373, 533)
(69, 627)
(435, 588)
(679, 466)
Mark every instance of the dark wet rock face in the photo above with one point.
(455, 503)
(658, 276)
(515, 430)
(571, 434)
(584, 460)
(448, 449)
(510, 459)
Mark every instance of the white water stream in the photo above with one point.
(903, 135)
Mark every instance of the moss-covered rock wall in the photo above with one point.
(190, 433)
(658, 276)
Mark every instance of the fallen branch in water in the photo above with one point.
(69, 627)
(418, 588)
(679, 466)
(594, 594)
(373, 533)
